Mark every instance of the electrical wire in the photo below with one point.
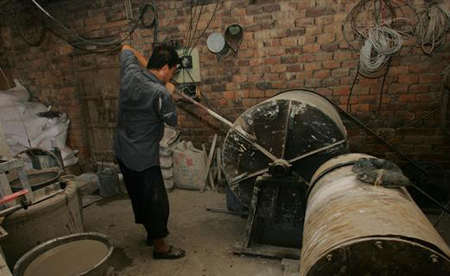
(195, 28)
(188, 33)
(445, 99)
(207, 26)
(431, 27)
(381, 44)
(111, 45)
(154, 23)
(369, 13)
(406, 126)
(349, 109)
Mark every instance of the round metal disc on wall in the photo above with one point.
(216, 43)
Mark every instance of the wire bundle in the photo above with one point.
(110, 44)
(431, 27)
(382, 43)
(374, 12)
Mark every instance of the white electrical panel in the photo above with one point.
(189, 75)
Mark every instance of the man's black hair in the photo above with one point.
(162, 55)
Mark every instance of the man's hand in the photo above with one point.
(170, 87)
(141, 59)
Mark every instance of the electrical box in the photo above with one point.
(190, 66)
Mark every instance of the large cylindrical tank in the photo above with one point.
(296, 126)
(354, 228)
(57, 216)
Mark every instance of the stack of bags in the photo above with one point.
(167, 146)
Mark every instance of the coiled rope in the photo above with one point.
(381, 44)
(431, 27)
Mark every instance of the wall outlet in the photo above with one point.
(190, 67)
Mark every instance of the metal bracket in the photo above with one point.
(246, 246)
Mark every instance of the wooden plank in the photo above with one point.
(5, 189)
(4, 149)
(205, 153)
(210, 177)
(4, 270)
(100, 98)
(219, 165)
(211, 180)
(208, 163)
(26, 184)
(102, 125)
(10, 164)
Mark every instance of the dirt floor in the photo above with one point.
(208, 238)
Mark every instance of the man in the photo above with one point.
(145, 104)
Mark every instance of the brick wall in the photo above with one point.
(287, 44)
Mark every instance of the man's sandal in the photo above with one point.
(172, 253)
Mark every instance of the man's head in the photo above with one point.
(163, 62)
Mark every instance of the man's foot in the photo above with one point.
(171, 254)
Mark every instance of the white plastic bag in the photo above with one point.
(189, 166)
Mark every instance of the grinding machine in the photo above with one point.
(287, 160)
(287, 137)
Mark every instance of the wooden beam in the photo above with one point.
(208, 163)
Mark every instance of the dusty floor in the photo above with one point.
(207, 237)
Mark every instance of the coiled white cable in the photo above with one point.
(431, 27)
(382, 42)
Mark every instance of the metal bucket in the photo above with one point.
(109, 183)
(85, 254)
(354, 228)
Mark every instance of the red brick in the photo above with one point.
(115, 24)
(272, 8)
(322, 74)
(228, 95)
(323, 56)
(408, 79)
(344, 90)
(311, 48)
(339, 73)
(361, 107)
(306, 58)
(324, 91)
(419, 88)
(429, 97)
(326, 38)
(312, 66)
(331, 65)
(430, 78)
(278, 68)
(288, 41)
(344, 100)
(272, 60)
(325, 20)
(407, 98)
(342, 55)
(318, 11)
